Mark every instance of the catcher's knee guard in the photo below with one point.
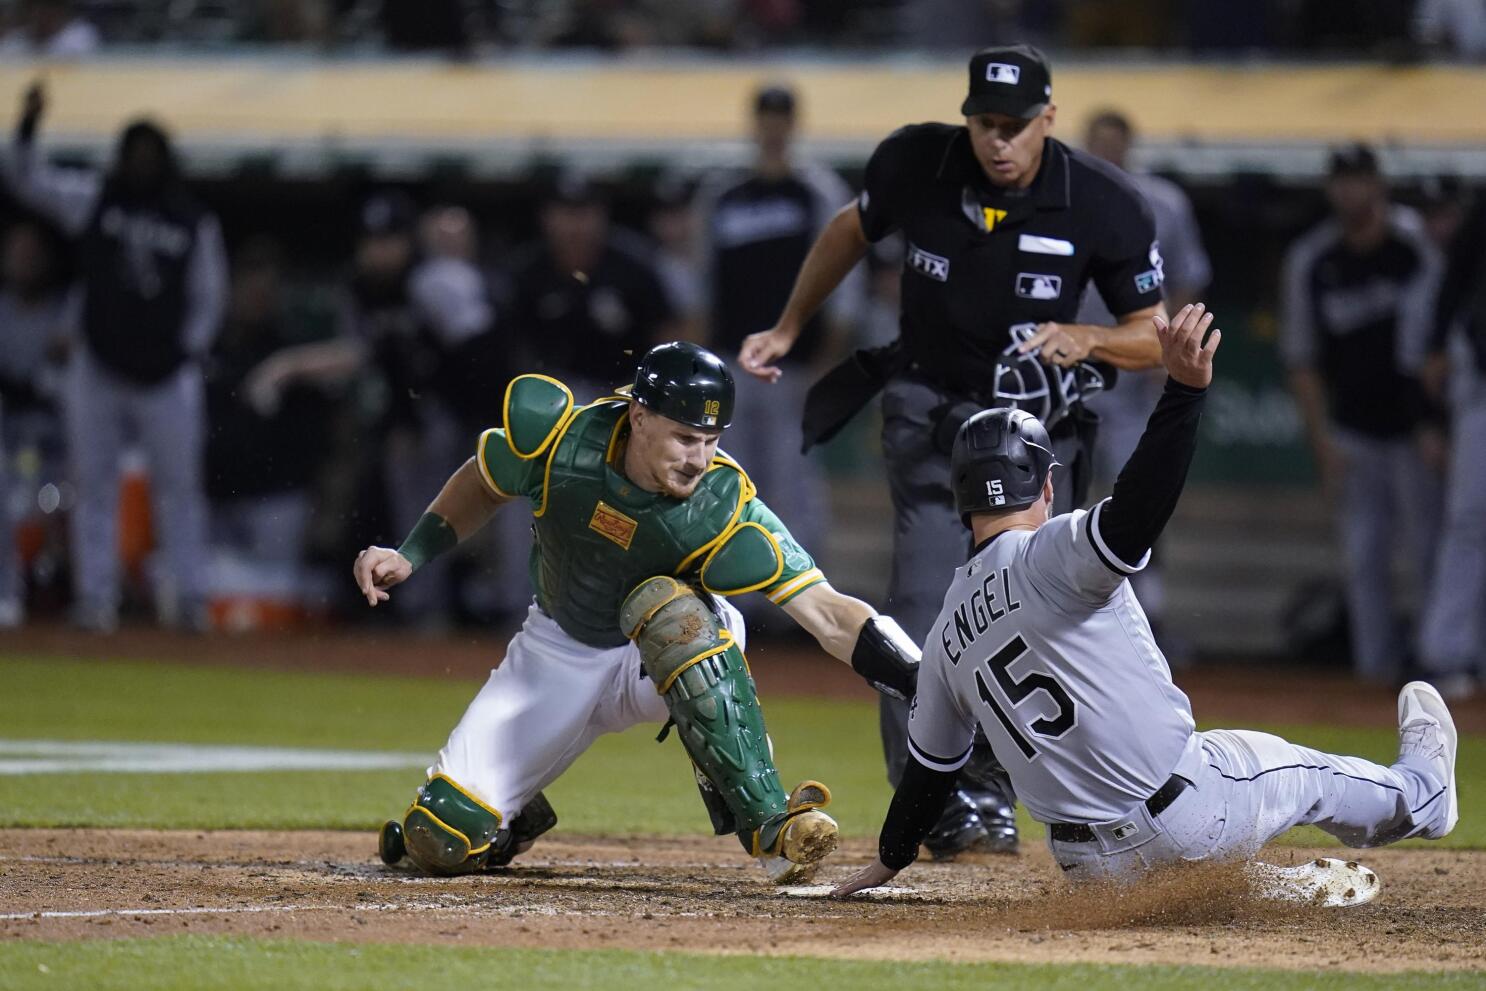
(449, 831)
(700, 671)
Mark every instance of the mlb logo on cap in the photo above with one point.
(1013, 80)
(1003, 72)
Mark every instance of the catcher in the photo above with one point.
(642, 528)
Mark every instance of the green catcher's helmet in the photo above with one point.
(686, 383)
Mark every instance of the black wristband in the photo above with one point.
(886, 658)
(431, 536)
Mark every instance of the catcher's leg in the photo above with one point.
(700, 672)
(483, 799)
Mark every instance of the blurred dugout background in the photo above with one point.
(405, 190)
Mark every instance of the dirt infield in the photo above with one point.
(699, 895)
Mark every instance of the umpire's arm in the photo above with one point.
(1129, 345)
(836, 251)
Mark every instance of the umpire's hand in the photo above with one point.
(378, 569)
(1187, 347)
(761, 352)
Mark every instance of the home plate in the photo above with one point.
(824, 891)
(1325, 882)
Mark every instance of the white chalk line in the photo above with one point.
(463, 907)
(118, 757)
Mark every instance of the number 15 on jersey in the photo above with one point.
(998, 666)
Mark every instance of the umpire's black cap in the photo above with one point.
(999, 462)
(1011, 79)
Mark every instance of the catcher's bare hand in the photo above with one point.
(874, 875)
(1062, 344)
(760, 351)
(1187, 359)
(378, 569)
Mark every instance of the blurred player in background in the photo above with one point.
(757, 228)
(1357, 316)
(261, 463)
(34, 320)
(416, 337)
(1109, 135)
(1452, 643)
(672, 224)
(153, 274)
(586, 297)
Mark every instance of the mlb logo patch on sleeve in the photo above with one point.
(1032, 285)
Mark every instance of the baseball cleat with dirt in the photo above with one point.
(1324, 882)
(808, 839)
(1427, 731)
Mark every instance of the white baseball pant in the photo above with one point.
(544, 705)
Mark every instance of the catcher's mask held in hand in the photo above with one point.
(1046, 391)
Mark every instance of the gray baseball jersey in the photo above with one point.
(1042, 643)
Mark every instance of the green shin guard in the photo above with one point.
(701, 673)
(449, 831)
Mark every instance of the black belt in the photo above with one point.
(1073, 832)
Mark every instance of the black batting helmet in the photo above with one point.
(686, 383)
(1000, 461)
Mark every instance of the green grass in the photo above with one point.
(202, 963)
(626, 784)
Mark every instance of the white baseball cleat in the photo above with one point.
(1324, 882)
(1426, 731)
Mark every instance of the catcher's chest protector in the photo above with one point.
(600, 535)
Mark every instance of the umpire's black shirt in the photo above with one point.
(981, 259)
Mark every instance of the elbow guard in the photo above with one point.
(886, 658)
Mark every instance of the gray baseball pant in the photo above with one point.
(1249, 788)
(1387, 492)
(168, 421)
(1451, 632)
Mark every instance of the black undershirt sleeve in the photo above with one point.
(1149, 485)
(917, 805)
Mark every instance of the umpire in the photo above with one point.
(1005, 226)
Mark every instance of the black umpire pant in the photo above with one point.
(929, 541)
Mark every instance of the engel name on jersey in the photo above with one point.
(1041, 641)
